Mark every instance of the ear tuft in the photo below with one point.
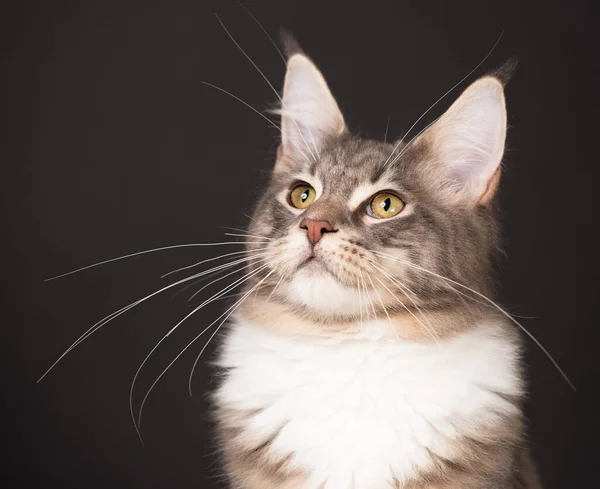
(505, 72)
(289, 44)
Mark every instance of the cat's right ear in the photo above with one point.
(309, 113)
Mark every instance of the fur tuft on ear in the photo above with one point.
(289, 44)
(467, 142)
(309, 113)
(505, 72)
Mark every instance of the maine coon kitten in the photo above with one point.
(359, 359)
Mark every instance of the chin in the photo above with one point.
(313, 286)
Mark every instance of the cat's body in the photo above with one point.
(372, 413)
(366, 353)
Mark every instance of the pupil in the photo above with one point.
(386, 204)
(304, 195)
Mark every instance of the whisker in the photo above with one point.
(401, 287)
(237, 270)
(230, 310)
(275, 288)
(359, 301)
(484, 297)
(246, 236)
(365, 292)
(268, 83)
(226, 289)
(409, 311)
(246, 233)
(201, 279)
(221, 278)
(382, 305)
(256, 111)
(453, 289)
(443, 96)
(218, 272)
(368, 298)
(387, 125)
(408, 145)
(219, 327)
(253, 219)
(187, 267)
(206, 302)
(145, 252)
(119, 312)
(264, 30)
(371, 301)
(229, 296)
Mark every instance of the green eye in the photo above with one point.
(302, 196)
(385, 205)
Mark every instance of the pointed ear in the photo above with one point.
(309, 113)
(467, 143)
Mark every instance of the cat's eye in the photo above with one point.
(384, 205)
(302, 196)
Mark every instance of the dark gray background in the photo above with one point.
(111, 144)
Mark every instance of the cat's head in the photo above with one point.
(361, 228)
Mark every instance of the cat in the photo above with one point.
(366, 352)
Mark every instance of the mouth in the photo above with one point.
(313, 263)
(308, 261)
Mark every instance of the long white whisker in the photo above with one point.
(402, 288)
(249, 236)
(443, 96)
(408, 310)
(285, 62)
(359, 301)
(231, 309)
(368, 297)
(453, 289)
(387, 125)
(266, 79)
(145, 252)
(218, 328)
(275, 288)
(187, 267)
(119, 312)
(201, 279)
(225, 276)
(371, 299)
(229, 296)
(206, 302)
(253, 219)
(353, 303)
(245, 103)
(382, 304)
(408, 145)
(368, 314)
(246, 231)
(265, 31)
(236, 283)
(533, 338)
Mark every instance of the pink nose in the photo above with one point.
(315, 229)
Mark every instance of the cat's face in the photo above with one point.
(360, 228)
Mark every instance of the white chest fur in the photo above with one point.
(359, 413)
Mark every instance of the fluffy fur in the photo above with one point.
(366, 361)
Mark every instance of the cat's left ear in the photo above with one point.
(466, 144)
(309, 113)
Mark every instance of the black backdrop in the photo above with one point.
(111, 144)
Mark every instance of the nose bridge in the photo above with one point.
(327, 208)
